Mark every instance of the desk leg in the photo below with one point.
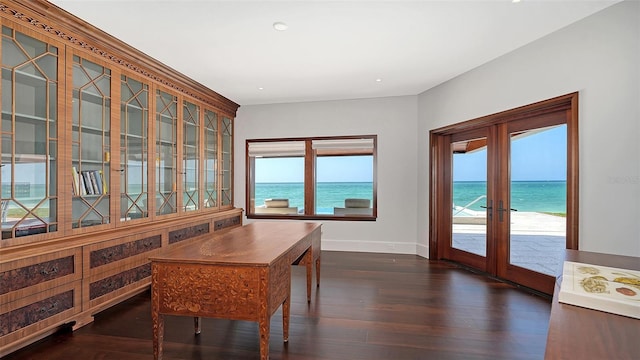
(264, 326)
(308, 261)
(157, 319)
(158, 333)
(197, 324)
(286, 312)
(318, 271)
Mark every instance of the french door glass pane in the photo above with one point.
(469, 196)
(538, 199)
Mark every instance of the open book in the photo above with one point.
(601, 288)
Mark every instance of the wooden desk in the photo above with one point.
(580, 333)
(243, 274)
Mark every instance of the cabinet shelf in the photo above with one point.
(31, 80)
(86, 96)
(91, 129)
(80, 197)
(33, 119)
(87, 161)
(132, 106)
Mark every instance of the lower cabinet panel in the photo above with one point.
(69, 283)
(23, 277)
(227, 223)
(28, 317)
(111, 285)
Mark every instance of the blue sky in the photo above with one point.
(333, 169)
(541, 156)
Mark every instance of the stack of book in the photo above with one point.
(88, 182)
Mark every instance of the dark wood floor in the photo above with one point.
(368, 306)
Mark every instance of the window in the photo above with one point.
(312, 178)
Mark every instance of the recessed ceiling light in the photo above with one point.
(261, 88)
(280, 26)
(378, 80)
(515, 1)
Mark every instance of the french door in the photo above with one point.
(504, 192)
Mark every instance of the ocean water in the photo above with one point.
(535, 196)
(538, 196)
(328, 194)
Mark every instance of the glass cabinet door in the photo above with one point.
(210, 159)
(29, 138)
(133, 149)
(227, 161)
(190, 155)
(90, 149)
(166, 152)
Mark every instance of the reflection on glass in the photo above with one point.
(133, 149)
(166, 152)
(29, 141)
(91, 134)
(227, 158)
(190, 149)
(210, 158)
(538, 199)
(469, 196)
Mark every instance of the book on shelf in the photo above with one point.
(87, 182)
(601, 288)
(97, 175)
(82, 188)
(94, 182)
(103, 182)
(75, 181)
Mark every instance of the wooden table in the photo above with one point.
(243, 274)
(580, 333)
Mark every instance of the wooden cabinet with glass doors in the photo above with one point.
(107, 157)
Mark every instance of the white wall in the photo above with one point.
(599, 57)
(393, 119)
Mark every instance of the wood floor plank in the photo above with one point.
(369, 307)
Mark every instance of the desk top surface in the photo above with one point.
(580, 333)
(255, 244)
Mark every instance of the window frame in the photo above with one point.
(310, 180)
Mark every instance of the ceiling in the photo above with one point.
(331, 49)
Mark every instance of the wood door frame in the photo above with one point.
(440, 216)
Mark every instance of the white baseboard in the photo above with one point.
(422, 250)
(369, 246)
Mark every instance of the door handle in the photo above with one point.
(502, 209)
(489, 208)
